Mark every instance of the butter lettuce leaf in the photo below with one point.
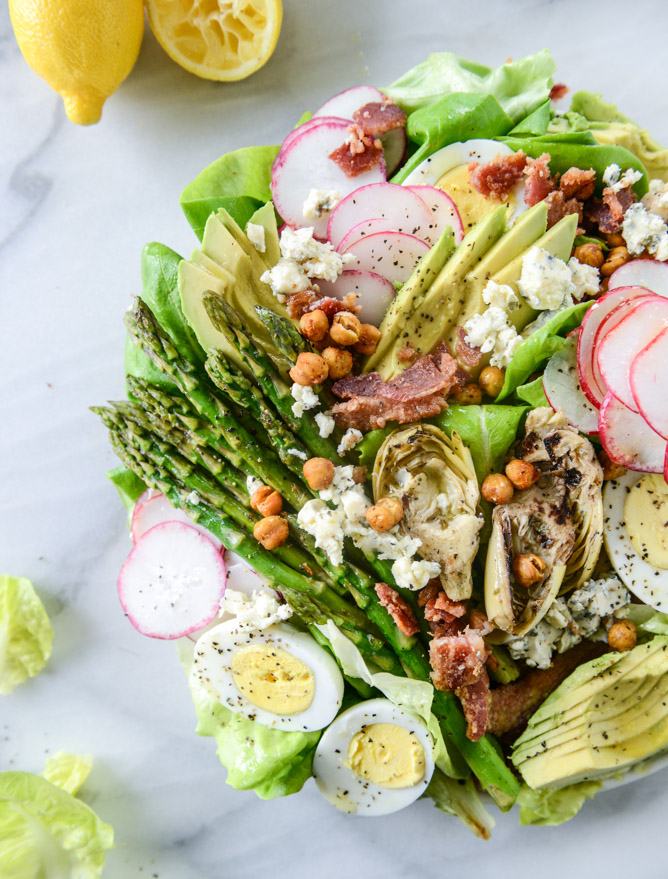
(533, 393)
(47, 832)
(648, 621)
(552, 807)
(26, 635)
(519, 86)
(128, 485)
(68, 771)
(459, 797)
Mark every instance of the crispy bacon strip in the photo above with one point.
(497, 178)
(370, 413)
(430, 591)
(576, 183)
(468, 354)
(441, 609)
(539, 182)
(608, 214)
(558, 207)
(457, 660)
(475, 700)
(358, 154)
(558, 91)
(398, 609)
(379, 118)
(422, 379)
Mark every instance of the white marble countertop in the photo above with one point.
(77, 206)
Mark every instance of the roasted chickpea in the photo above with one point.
(267, 501)
(385, 514)
(611, 470)
(470, 394)
(491, 380)
(310, 369)
(359, 475)
(522, 474)
(339, 362)
(622, 635)
(368, 339)
(615, 239)
(617, 257)
(271, 532)
(346, 328)
(319, 473)
(528, 569)
(590, 254)
(497, 489)
(314, 325)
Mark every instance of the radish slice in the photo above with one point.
(366, 227)
(306, 126)
(374, 293)
(156, 510)
(172, 582)
(618, 348)
(345, 103)
(240, 576)
(628, 439)
(393, 255)
(404, 211)
(648, 273)
(649, 383)
(563, 391)
(590, 377)
(444, 209)
(305, 165)
(394, 147)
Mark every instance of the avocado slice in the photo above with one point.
(610, 713)
(424, 313)
(266, 217)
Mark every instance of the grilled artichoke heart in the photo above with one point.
(434, 478)
(559, 519)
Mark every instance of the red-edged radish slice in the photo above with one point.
(563, 391)
(241, 577)
(590, 378)
(618, 348)
(305, 164)
(361, 230)
(393, 255)
(345, 103)
(649, 383)
(374, 293)
(172, 582)
(444, 210)
(404, 211)
(665, 466)
(648, 273)
(156, 510)
(628, 439)
(394, 147)
(305, 126)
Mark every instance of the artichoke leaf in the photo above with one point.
(434, 477)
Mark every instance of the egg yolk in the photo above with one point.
(472, 206)
(646, 518)
(387, 754)
(273, 679)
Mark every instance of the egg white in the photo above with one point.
(344, 788)
(430, 171)
(212, 670)
(647, 583)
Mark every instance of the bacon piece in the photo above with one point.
(406, 354)
(379, 118)
(333, 306)
(539, 182)
(558, 91)
(430, 591)
(299, 303)
(468, 354)
(370, 413)
(457, 660)
(478, 622)
(441, 609)
(358, 154)
(475, 700)
(558, 207)
(576, 183)
(422, 379)
(497, 178)
(398, 609)
(608, 214)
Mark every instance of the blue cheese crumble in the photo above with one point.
(305, 398)
(258, 612)
(326, 424)
(349, 440)
(545, 281)
(303, 260)
(255, 234)
(644, 230)
(319, 202)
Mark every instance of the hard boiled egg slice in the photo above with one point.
(636, 534)
(374, 759)
(448, 169)
(277, 676)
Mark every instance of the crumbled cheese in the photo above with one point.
(252, 484)
(414, 575)
(492, 332)
(326, 424)
(545, 281)
(656, 200)
(641, 230)
(319, 202)
(317, 259)
(500, 296)
(626, 181)
(297, 453)
(611, 175)
(349, 440)
(586, 279)
(193, 498)
(255, 234)
(286, 277)
(587, 613)
(305, 398)
(259, 611)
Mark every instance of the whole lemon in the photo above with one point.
(83, 49)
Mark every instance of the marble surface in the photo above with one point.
(77, 206)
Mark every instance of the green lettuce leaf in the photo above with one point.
(459, 797)
(26, 636)
(238, 181)
(533, 393)
(551, 807)
(540, 346)
(535, 123)
(519, 86)
(46, 833)
(68, 771)
(140, 365)
(127, 484)
(648, 621)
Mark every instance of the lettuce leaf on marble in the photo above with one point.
(127, 484)
(552, 807)
(68, 771)
(26, 635)
(459, 797)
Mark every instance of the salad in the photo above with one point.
(394, 448)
